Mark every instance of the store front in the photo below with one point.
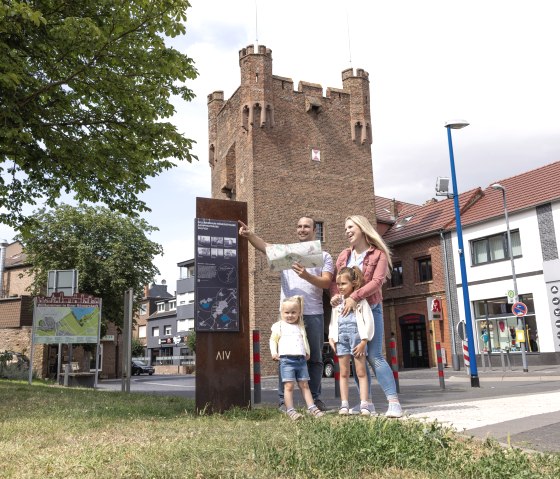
(496, 325)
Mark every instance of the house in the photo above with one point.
(165, 321)
(426, 267)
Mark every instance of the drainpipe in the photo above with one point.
(3, 246)
(454, 356)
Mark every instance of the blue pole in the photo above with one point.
(475, 382)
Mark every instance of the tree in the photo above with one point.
(110, 251)
(137, 348)
(84, 89)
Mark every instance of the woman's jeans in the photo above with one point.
(375, 357)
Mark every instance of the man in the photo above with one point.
(309, 283)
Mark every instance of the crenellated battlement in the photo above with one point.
(250, 50)
(360, 73)
(216, 96)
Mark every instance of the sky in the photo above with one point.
(491, 63)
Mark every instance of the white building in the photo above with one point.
(533, 203)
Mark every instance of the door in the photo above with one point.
(414, 342)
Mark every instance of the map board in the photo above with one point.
(216, 287)
(60, 319)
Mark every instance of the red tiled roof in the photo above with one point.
(383, 208)
(523, 191)
(429, 218)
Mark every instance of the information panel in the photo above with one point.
(60, 319)
(216, 290)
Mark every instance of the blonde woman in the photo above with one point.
(368, 251)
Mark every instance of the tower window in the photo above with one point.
(319, 231)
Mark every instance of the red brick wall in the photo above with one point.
(412, 296)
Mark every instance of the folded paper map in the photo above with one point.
(282, 256)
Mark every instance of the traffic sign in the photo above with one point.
(462, 330)
(511, 296)
(519, 309)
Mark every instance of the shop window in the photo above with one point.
(496, 325)
(396, 275)
(424, 269)
(141, 331)
(495, 248)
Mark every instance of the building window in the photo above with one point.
(424, 269)
(497, 327)
(155, 331)
(143, 309)
(160, 307)
(141, 331)
(167, 330)
(173, 305)
(182, 325)
(319, 231)
(495, 248)
(396, 275)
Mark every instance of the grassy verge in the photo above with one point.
(48, 431)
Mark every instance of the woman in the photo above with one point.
(369, 252)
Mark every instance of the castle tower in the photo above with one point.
(287, 154)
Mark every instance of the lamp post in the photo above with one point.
(475, 381)
(520, 321)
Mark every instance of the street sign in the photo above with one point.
(519, 309)
(461, 330)
(511, 296)
(554, 289)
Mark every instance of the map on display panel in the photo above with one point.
(216, 286)
(217, 309)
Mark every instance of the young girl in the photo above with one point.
(289, 345)
(349, 335)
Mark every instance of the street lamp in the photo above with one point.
(475, 381)
(520, 321)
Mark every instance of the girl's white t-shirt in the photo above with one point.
(291, 340)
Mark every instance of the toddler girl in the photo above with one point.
(349, 335)
(289, 345)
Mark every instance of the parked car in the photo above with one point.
(328, 361)
(138, 367)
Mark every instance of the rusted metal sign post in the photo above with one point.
(223, 378)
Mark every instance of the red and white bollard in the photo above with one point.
(466, 357)
(440, 365)
(394, 363)
(256, 366)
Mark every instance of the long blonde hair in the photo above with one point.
(294, 299)
(372, 237)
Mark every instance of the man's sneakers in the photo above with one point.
(395, 410)
(321, 405)
(282, 408)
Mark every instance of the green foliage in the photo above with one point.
(110, 251)
(137, 348)
(191, 341)
(98, 434)
(84, 91)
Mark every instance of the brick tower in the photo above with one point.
(287, 154)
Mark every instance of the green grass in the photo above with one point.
(48, 431)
